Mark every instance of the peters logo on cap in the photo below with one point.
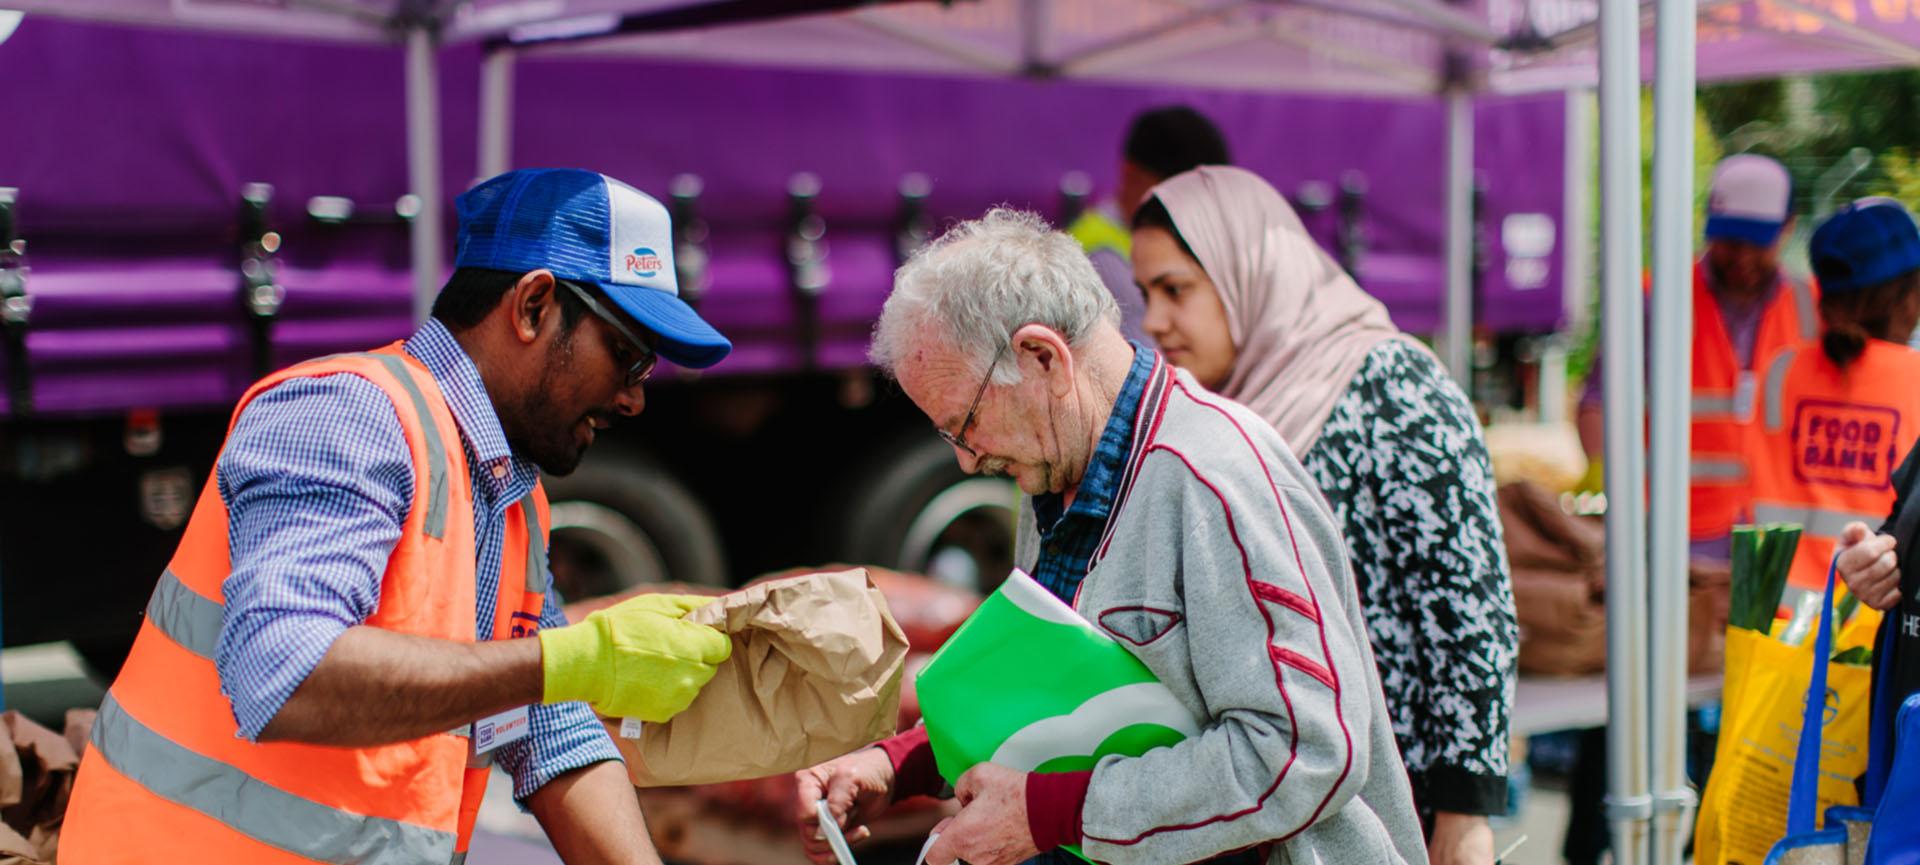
(1750, 200)
(643, 262)
(593, 229)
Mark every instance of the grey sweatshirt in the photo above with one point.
(1224, 572)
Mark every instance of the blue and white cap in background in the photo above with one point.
(1750, 200)
(590, 228)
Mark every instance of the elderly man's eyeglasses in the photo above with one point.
(959, 439)
(645, 358)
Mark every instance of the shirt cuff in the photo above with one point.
(1459, 791)
(260, 671)
(914, 771)
(566, 736)
(1054, 803)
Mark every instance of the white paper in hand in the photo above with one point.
(922, 858)
(830, 828)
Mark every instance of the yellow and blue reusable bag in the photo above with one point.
(1767, 699)
(1883, 829)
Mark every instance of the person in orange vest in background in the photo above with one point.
(358, 621)
(1879, 574)
(1744, 310)
(1838, 414)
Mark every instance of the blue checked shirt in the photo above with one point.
(1070, 536)
(317, 480)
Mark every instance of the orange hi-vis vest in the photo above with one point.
(167, 778)
(1720, 484)
(1828, 442)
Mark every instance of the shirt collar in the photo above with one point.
(1108, 464)
(472, 408)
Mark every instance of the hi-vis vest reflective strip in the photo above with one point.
(1828, 442)
(168, 779)
(1719, 477)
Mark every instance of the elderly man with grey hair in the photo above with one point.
(1177, 522)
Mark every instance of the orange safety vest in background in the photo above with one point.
(166, 777)
(1828, 441)
(1720, 484)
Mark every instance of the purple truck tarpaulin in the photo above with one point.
(138, 142)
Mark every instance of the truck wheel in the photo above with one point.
(621, 521)
(913, 509)
(106, 654)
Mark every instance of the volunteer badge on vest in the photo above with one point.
(1845, 444)
(1028, 684)
(505, 728)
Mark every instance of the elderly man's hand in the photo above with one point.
(1868, 564)
(1460, 839)
(857, 788)
(991, 828)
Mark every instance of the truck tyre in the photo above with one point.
(104, 655)
(621, 521)
(913, 509)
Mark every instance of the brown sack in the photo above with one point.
(1558, 563)
(1563, 625)
(1559, 590)
(1709, 597)
(1541, 535)
(815, 673)
(36, 776)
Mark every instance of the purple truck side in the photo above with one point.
(134, 148)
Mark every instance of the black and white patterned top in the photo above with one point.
(1403, 464)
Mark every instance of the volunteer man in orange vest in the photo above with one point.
(1744, 310)
(357, 621)
(1839, 414)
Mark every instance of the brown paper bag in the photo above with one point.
(1559, 590)
(815, 673)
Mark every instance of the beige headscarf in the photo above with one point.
(1301, 326)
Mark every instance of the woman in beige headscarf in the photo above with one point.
(1239, 295)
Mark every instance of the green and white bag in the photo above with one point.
(1028, 684)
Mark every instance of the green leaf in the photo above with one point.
(1762, 557)
(1860, 656)
(1741, 607)
(1777, 545)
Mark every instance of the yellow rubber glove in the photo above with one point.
(636, 659)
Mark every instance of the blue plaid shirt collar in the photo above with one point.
(1094, 497)
(509, 476)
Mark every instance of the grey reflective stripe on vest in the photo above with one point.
(1815, 521)
(436, 449)
(1718, 408)
(254, 808)
(186, 616)
(1773, 390)
(1716, 469)
(458, 859)
(1803, 304)
(537, 578)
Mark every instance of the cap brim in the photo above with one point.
(1759, 232)
(686, 339)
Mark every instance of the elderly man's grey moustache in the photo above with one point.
(993, 467)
